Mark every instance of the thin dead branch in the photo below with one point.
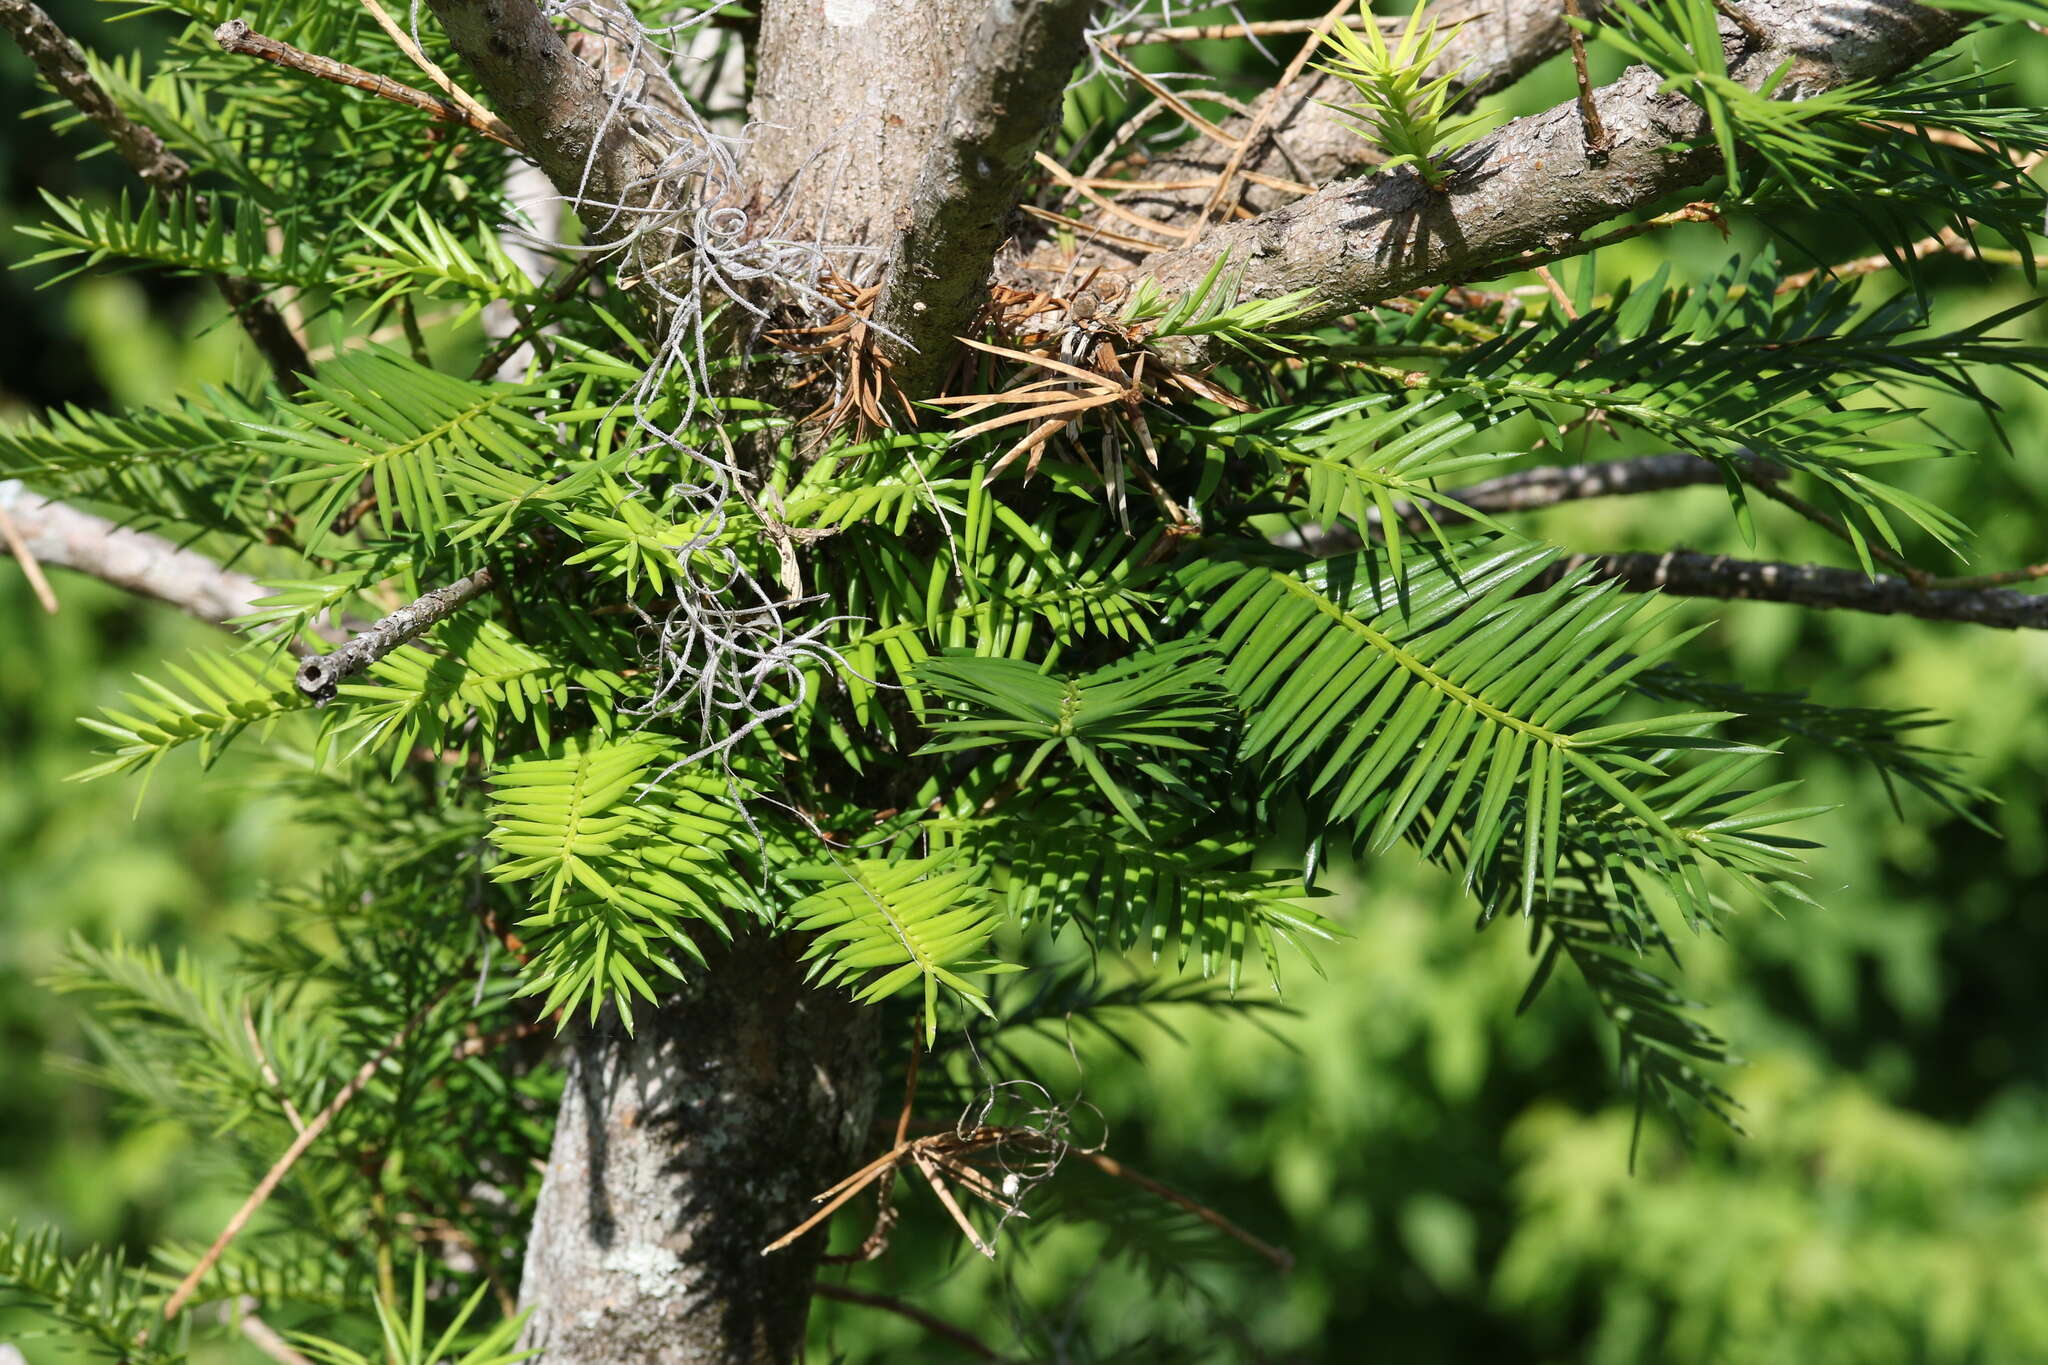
(283, 1165)
(1263, 114)
(937, 1326)
(1280, 1258)
(237, 37)
(318, 677)
(1527, 194)
(462, 99)
(1686, 573)
(11, 537)
(1589, 113)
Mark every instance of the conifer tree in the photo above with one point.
(754, 530)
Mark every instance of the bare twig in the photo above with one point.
(319, 676)
(434, 73)
(1492, 44)
(497, 1038)
(283, 1165)
(269, 1072)
(63, 65)
(1690, 574)
(886, 1213)
(1006, 95)
(937, 1326)
(1267, 28)
(2026, 574)
(1557, 294)
(266, 1339)
(1177, 103)
(1090, 192)
(1589, 114)
(58, 534)
(237, 37)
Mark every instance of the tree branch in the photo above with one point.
(1689, 574)
(319, 676)
(1005, 96)
(556, 105)
(1530, 490)
(1530, 190)
(848, 99)
(1497, 42)
(237, 37)
(55, 533)
(283, 1165)
(62, 64)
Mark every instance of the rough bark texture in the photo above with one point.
(1533, 186)
(1498, 42)
(553, 101)
(848, 96)
(1006, 95)
(62, 64)
(320, 675)
(681, 1152)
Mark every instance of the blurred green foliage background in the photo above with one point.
(1452, 1179)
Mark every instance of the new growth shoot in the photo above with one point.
(1399, 107)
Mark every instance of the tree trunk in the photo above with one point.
(683, 1150)
(848, 97)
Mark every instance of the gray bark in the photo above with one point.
(1533, 186)
(681, 1152)
(554, 101)
(1690, 574)
(848, 96)
(1498, 43)
(58, 534)
(1006, 95)
(320, 675)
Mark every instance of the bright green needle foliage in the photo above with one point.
(98, 1298)
(1846, 140)
(623, 857)
(1400, 105)
(1251, 325)
(915, 921)
(1167, 698)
